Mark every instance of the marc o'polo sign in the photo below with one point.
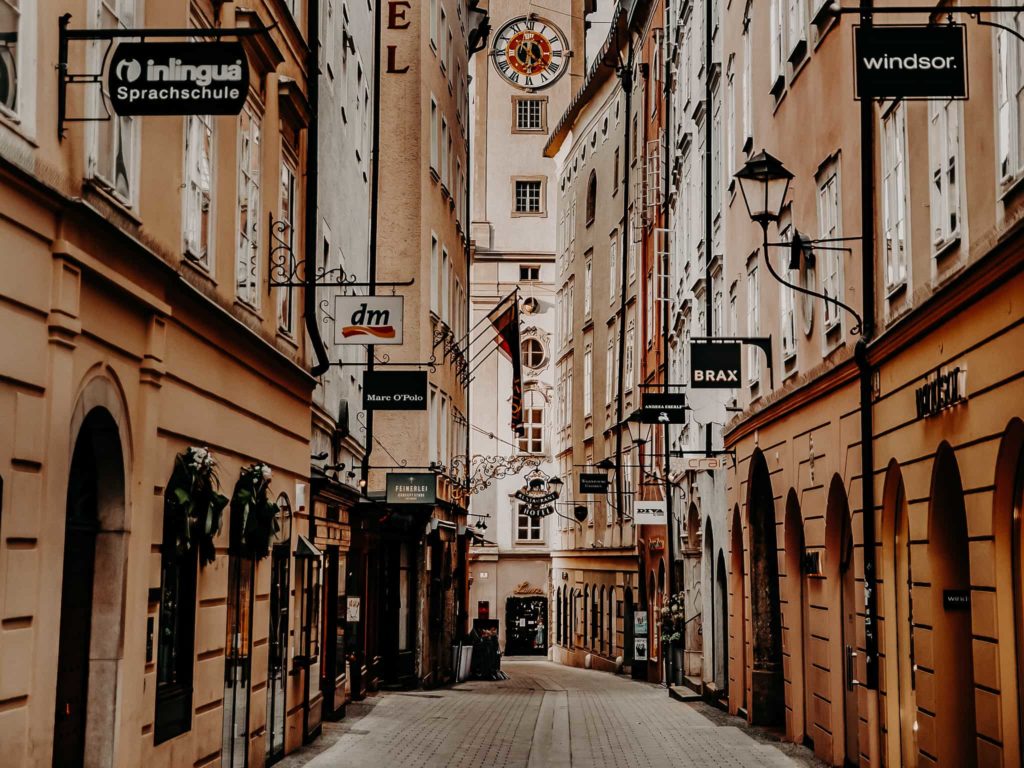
(178, 78)
(411, 487)
(395, 390)
(911, 62)
(368, 319)
(714, 365)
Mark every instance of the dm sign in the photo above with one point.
(911, 62)
(178, 78)
(395, 390)
(411, 487)
(368, 319)
(714, 365)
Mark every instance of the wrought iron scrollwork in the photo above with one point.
(483, 470)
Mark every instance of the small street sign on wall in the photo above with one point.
(911, 62)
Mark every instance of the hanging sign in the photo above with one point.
(593, 483)
(640, 635)
(411, 487)
(956, 599)
(701, 463)
(714, 365)
(395, 390)
(531, 511)
(368, 319)
(649, 513)
(911, 62)
(663, 408)
(178, 78)
(946, 389)
(352, 609)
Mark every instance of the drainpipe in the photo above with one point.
(625, 74)
(312, 159)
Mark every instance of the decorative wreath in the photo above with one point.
(193, 505)
(254, 520)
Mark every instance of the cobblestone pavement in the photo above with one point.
(544, 716)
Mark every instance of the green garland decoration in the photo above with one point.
(253, 515)
(193, 505)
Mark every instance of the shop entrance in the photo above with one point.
(277, 655)
(526, 626)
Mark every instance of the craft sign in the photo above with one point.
(911, 62)
(395, 390)
(187, 78)
(663, 408)
(714, 365)
(411, 487)
(368, 319)
(593, 483)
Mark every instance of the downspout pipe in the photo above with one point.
(625, 74)
(312, 198)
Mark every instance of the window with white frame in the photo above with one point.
(287, 219)
(530, 113)
(433, 23)
(445, 147)
(12, 59)
(528, 196)
(894, 196)
(649, 307)
(528, 527)
(753, 321)
(944, 151)
(588, 378)
(730, 121)
(1009, 99)
(534, 354)
(531, 440)
(443, 54)
(444, 278)
(613, 262)
(630, 356)
(197, 211)
(588, 285)
(778, 44)
(796, 31)
(609, 368)
(829, 258)
(435, 454)
(747, 82)
(787, 305)
(435, 153)
(113, 156)
(247, 256)
(435, 264)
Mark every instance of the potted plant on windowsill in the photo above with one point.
(254, 520)
(193, 505)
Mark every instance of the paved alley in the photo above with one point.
(545, 715)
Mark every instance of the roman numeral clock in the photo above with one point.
(529, 52)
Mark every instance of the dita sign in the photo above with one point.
(395, 390)
(368, 319)
(911, 62)
(947, 389)
(411, 487)
(593, 483)
(178, 78)
(714, 366)
(663, 408)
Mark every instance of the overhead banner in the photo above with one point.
(411, 487)
(395, 390)
(911, 62)
(593, 483)
(649, 513)
(663, 408)
(715, 365)
(368, 319)
(184, 78)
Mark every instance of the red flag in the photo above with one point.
(505, 319)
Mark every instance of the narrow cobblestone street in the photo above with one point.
(544, 715)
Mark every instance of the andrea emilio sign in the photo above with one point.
(395, 390)
(188, 78)
(911, 62)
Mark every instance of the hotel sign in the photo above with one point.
(714, 365)
(395, 390)
(368, 319)
(411, 487)
(945, 390)
(911, 62)
(178, 78)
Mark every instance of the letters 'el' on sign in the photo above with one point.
(178, 78)
(714, 365)
(368, 319)
(911, 62)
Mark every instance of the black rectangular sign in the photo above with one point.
(911, 62)
(663, 408)
(395, 390)
(593, 482)
(411, 487)
(178, 78)
(714, 365)
(956, 599)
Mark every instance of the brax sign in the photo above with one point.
(911, 62)
(714, 365)
(368, 319)
(178, 78)
(395, 390)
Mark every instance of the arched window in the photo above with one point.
(558, 616)
(591, 197)
(534, 354)
(586, 605)
(600, 623)
(532, 438)
(595, 625)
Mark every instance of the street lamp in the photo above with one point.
(764, 183)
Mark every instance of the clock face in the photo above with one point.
(530, 52)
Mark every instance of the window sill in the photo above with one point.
(103, 190)
(526, 215)
(199, 268)
(434, 175)
(945, 247)
(249, 308)
(1011, 187)
(896, 290)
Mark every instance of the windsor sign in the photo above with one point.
(911, 62)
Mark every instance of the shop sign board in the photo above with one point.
(411, 487)
(649, 513)
(663, 408)
(924, 61)
(943, 391)
(532, 511)
(593, 483)
(956, 599)
(395, 390)
(183, 78)
(352, 609)
(640, 635)
(701, 463)
(714, 365)
(368, 319)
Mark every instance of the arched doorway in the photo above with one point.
(708, 577)
(767, 705)
(558, 616)
(949, 562)
(801, 697)
(722, 625)
(628, 618)
(91, 631)
(738, 650)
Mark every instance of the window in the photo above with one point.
(588, 379)
(588, 284)
(730, 122)
(831, 268)
(434, 151)
(528, 527)
(778, 41)
(649, 306)
(613, 261)
(787, 308)
(528, 196)
(1009, 99)
(534, 354)
(753, 322)
(113, 155)
(247, 257)
(529, 273)
(11, 63)
(591, 197)
(435, 453)
(449, 51)
(434, 272)
(441, 38)
(630, 352)
(433, 24)
(446, 144)
(797, 31)
(532, 438)
(615, 177)
(944, 150)
(609, 368)
(894, 197)
(530, 114)
(747, 84)
(285, 300)
(197, 210)
(444, 277)
(329, 38)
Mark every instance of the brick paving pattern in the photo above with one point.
(545, 716)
